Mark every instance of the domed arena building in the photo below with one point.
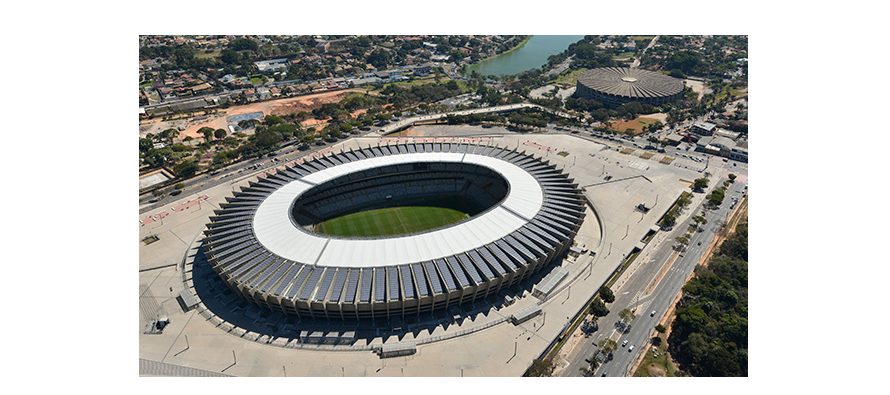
(619, 85)
(394, 230)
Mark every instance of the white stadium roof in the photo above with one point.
(275, 230)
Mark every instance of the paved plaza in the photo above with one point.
(614, 183)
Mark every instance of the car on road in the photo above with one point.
(652, 314)
(624, 343)
(631, 348)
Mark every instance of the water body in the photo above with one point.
(531, 55)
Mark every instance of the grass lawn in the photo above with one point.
(208, 55)
(390, 221)
(660, 366)
(570, 78)
(736, 92)
(625, 55)
(257, 80)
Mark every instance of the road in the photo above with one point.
(291, 153)
(644, 292)
(666, 290)
(636, 62)
(229, 173)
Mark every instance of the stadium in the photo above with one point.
(394, 231)
(619, 85)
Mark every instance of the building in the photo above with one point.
(262, 241)
(619, 85)
(423, 69)
(703, 128)
(271, 65)
(674, 139)
(727, 133)
(722, 146)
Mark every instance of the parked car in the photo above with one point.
(631, 348)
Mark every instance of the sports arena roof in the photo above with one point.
(631, 83)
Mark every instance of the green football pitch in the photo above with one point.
(390, 221)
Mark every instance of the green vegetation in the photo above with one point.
(715, 198)
(657, 362)
(670, 218)
(185, 169)
(598, 308)
(709, 336)
(541, 368)
(427, 93)
(699, 184)
(569, 78)
(606, 294)
(390, 221)
(213, 54)
(257, 79)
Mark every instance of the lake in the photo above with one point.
(531, 55)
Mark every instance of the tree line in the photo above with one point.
(709, 336)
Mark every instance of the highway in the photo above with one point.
(291, 153)
(633, 294)
(667, 289)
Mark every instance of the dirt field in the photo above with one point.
(217, 120)
(637, 124)
(697, 87)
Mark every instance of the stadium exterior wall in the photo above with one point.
(584, 91)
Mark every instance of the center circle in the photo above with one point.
(398, 200)
(628, 79)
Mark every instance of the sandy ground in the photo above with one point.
(638, 123)
(562, 93)
(217, 120)
(697, 87)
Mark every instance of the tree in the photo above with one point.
(242, 44)
(379, 58)
(219, 133)
(669, 220)
(179, 185)
(145, 145)
(606, 294)
(186, 168)
(709, 336)
(541, 368)
(207, 132)
(271, 120)
(598, 308)
(660, 328)
(683, 240)
(626, 315)
(607, 345)
(229, 56)
(700, 184)
(732, 177)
